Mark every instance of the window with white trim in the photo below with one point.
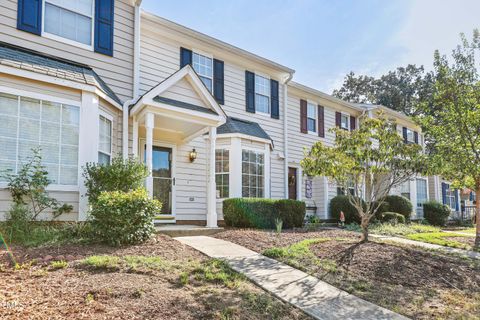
(222, 173)
(311, 117)
(421, 192)
(31, 123)
(405, 189)
(450, 197)
(105, 140)
(345, 121)
(253, 174)
(203, 65)
(70, 19)
(410, 136)
(262, 94)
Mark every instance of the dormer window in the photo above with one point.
(203, 65)
(69, 21)
(262, 94)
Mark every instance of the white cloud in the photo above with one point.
(435, 24)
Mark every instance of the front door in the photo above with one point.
(292, 183)
(162, 177)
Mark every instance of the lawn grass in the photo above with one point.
(440, 239)
(399, 229)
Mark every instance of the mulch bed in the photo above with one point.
(38, 292)
(411, 281)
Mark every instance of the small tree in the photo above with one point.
(453, 131)
(372, 160)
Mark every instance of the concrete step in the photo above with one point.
(186, 230)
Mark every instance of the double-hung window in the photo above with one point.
(70, 19)
(410, 136)
(203, 65)
(253, 174)
(405, 189)
(311, 117)
(421, 192)
(450, 197)
(345, 121)
(222, 173)
(32, 123)
(105, 140)
(262, 94)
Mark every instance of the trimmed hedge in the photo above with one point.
(341, 203)
(261, 213)
(398, 204)
(436, 213)
(392, 217)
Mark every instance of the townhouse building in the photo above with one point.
(87, 80)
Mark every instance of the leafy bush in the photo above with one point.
(392, 217)
(399, 205)
(120, 218)
(262, 213)
(436, 213)
(119, 175)
(341, 203)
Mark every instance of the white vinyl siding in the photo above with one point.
(203, 65)
(311, 117)
(262, 94)
(52, 127)
(222, 173)
(69, 19)
(105, 140)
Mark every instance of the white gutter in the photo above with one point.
(285, 130)
(136, 79)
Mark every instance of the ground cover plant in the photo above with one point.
(159, 279)
(414, 282)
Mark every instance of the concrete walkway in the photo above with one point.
(315, 297)
(430, 246)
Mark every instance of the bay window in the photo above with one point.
(69, 19)
(222, 173)
(105, 140)
(32, 123)
(253, 175)
(203, 65)
(311, 117)
(262, 94)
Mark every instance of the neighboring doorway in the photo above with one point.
(292, 183)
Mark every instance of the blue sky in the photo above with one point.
(325, 39)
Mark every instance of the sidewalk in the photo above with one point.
(431, 246)
(315, 297)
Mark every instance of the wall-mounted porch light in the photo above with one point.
(193, 155)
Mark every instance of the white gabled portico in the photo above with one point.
(170, 116)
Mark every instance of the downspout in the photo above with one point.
(285, 131)
(136, 78)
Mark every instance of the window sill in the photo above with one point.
(263, 114)
(67, 41)
(313, 133)
(53, 187)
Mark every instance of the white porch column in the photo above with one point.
(211, 185)
(88, 145)
(135, 138)
(149, 123)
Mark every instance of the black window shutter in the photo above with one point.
(353, 123)
(444, 192)
(250, 91)
(415, 136)
(405, 135)
(321, 122)
(275, 108)
(103, 42)
(29, 16)
(185, 57)
(303, 116)
(338, 119)
(218, 87)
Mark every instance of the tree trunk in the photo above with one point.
(477, 216)
(364, 225)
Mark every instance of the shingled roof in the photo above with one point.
(235, 125)
(34, 61)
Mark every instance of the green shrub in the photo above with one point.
(399, 205)
(120, 218)
(119, 175)
(392, 217)
(341, 203)
(436, 213)
(262, 213)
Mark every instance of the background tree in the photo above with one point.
(373, 159)
(400, 90)
(453, 130)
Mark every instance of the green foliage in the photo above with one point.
(262, 213)
(440, 239)
(398, 204)
(119, 175)
(28, 188)
(392, 217)
(278, 225)
(56, 265)
(389, 229)
(342, 203)
(217, 271)
(436, 213)
(101, 262)
(120, 218)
